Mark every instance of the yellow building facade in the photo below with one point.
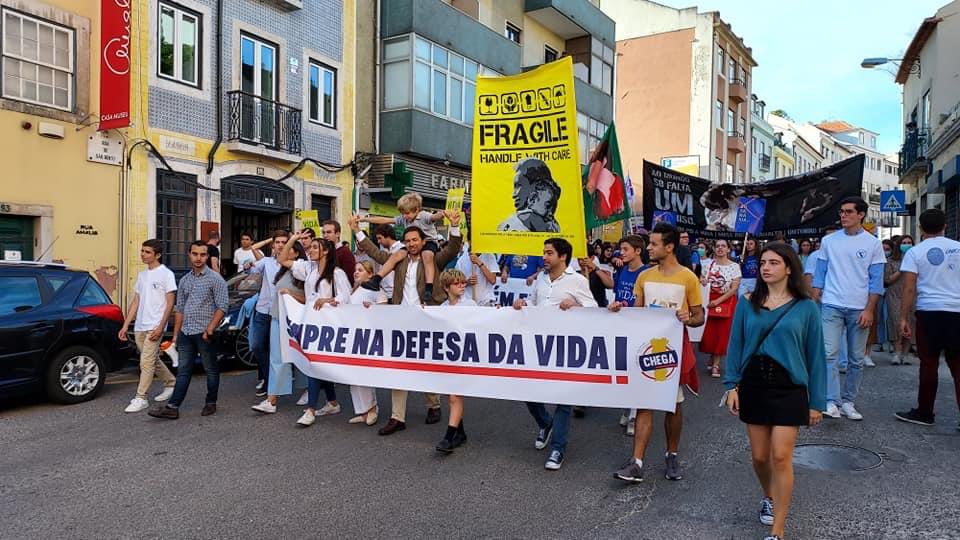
(59, 187)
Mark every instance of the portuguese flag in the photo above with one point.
(604, 191)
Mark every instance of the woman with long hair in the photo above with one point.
(324, 284)
(893, 281)
(776, 376)
(806, 248)
(723, 277)
(749, 267)
(279, 382)
(365, 398)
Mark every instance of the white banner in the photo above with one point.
(582, 356)
(503, 294)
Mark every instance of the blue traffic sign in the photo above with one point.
(893, 201)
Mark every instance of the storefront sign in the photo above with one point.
(174, 145)
(114, 64)
(104, 147)
(442, 181)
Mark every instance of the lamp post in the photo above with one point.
(871, 63)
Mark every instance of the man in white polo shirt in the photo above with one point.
(848, 281)
(558, 285)
(931, 273)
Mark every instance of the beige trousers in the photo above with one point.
(399, 399)
(151, 365)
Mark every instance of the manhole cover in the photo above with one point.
(835, 457)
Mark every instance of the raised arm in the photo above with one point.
(257, 253)
(285, 259)
(364, 243)
(377, 220)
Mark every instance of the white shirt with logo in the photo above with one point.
(936, 262)
(848, 258)
(152, 286)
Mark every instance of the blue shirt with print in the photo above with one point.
(522, 266)
(750, 267)
(624, 281)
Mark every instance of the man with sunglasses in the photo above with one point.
(848, 282)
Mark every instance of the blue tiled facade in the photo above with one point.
(317, 27)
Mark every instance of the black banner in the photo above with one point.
(797, 206)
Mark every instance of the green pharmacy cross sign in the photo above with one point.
(399, 179)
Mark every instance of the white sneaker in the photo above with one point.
(329, 409)
(137, 405)
(832, 411)
(848, 410)
(868, 362)
(623, 420)
(265, 407)
(165, 395)
(307, 419)
(304, 398)
(630, 429)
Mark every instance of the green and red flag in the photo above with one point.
(604, 190)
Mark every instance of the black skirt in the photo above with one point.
(769, 398)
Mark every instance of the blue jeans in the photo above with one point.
(560, 422)
(260, 343)
(280, 382)
(187, 349)
(313, 391)
(835, 322)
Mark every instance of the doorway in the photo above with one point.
(16, 238)
(255, 205)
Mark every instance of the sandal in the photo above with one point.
(715, 372)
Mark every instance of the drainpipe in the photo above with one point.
(219, 95)
(377, 84)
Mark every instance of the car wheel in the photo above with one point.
(76, 374)
(241, 349)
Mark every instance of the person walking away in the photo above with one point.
(723, 277)
(454, 283)
(931, 281)
(558, 285)
(280, 381)
(202, 301)
(155, 293)
(668, 285)
(749, 267)
(848, 282)
(893, 280)
(775, 375)
(365, 398)
(409, 290)
(213, 251)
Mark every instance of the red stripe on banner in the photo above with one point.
(623, 379)
(448, 368)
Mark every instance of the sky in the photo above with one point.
(809, 52)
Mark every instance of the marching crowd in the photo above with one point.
(788, 326)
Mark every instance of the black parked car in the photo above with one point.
(58, 332)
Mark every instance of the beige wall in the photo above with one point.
(534, 37)
(495, 14)
(653, 89)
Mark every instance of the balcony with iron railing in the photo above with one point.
(738, 91)
(765, 162)
(263, 126)
(913, 155)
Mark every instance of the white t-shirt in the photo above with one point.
(361, 295)
(484, 290)
(849, 257)
(308, 272)
(243, 256)
(811, 266)
(152, 286)
(387, 283)
(936, 262)
(721, 276)
(410, 295)
(463, 302)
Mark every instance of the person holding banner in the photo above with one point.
(776, 374)
(454, 283)
(558, 286)
(365, 398)
(723, 276)
(409, 289)
(673, 286)
(324, 284)
(481, 271)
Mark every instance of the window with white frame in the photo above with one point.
(178, 36)
(423, 75)
(731, 69)
(589, 131)
(512, 32)
(323, 94)
(601, 66)
(720, 59)
(549, 54)
(38, 61)
(729, 177)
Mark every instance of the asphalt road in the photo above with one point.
(90, 471)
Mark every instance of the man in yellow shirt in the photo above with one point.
(673, 286)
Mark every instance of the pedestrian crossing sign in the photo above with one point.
(893, 201)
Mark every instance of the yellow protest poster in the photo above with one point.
(526, 165)
(455, 198)
(309, 218)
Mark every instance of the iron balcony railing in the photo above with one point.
(736, 134)
(264, 122)
(765, 162)
(916, 143)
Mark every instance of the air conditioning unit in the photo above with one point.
(289, 4)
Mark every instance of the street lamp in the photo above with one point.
(870, 63)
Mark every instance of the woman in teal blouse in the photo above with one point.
(776, 374)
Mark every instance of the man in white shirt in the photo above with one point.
(558, 285)
(259, 330)
(153, 300)
(848, 282)
(481, 271)
(244, 256)
(931, 274)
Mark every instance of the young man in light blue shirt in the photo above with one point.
(848, 282)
